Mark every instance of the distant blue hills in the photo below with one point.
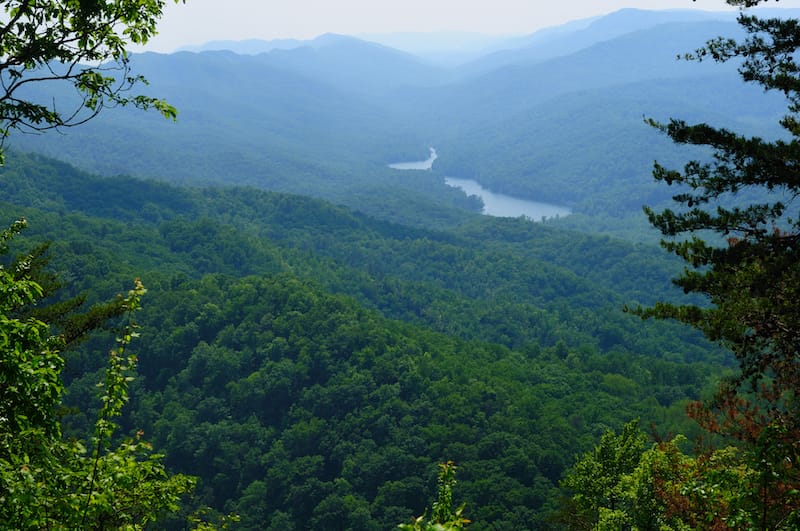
(555, 116)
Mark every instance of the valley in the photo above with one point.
(329, 314)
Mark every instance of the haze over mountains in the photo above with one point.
(468, 47)
(311, 363)
(555, 116)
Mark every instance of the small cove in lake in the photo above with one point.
(506, 206)
(416, 165)
(498, 205)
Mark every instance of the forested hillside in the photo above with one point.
(312, 365)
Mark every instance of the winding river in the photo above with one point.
(498, 205)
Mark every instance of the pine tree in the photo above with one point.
(744, 258)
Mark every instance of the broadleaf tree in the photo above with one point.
(44, 43)
(743, 255)
(595, 480)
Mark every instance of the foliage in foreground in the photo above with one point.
(443, 517)
(625, 484)
(46, 44)
(752, 278)
(47, 482)
(750, 273)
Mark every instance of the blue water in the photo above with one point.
(498, 205)
(418, 165)
(506, 206)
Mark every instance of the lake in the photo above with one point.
(498, 205)
(418, 165)
(506, 206)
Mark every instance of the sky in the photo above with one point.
(200, 21)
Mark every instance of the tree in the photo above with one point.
(595, 480)
(81, 43)
(660, 489)
(45, 481)
(443, 516)
(748, 270)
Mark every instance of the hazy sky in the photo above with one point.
(199, 21)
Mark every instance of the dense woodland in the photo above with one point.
(293, 351)
(321, 332)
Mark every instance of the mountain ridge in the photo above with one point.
(327, 120)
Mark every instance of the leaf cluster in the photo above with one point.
(83, 44)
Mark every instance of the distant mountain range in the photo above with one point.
(454, 48)
(554, 116)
